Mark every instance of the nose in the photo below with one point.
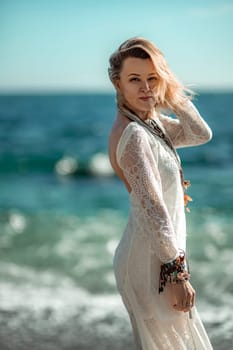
(145, 86)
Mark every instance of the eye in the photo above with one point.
(153, 78)
(134, 79)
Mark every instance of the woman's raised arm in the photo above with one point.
(190, 129)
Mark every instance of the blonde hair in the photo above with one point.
(170, 91)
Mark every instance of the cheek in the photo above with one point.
(130, 92)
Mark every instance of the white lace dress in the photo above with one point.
(156, 229)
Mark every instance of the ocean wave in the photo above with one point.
(96, 164)
(64, 315)
(82, 248)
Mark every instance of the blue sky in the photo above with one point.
(65, 44)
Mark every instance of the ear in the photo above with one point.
(117, 85)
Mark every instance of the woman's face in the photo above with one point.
(137, 83)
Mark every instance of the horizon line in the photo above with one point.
(60, 91)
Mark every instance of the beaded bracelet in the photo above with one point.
(174, 272)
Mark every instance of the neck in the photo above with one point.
(143, 115)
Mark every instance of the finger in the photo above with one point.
(190, 295)
(188, 303)
(185, 302)
(187, 308)
(193, 298)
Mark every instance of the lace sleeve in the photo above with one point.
(189, 129)
(140, 169)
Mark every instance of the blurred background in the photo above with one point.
(62, 210)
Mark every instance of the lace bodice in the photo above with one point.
(150, 168)
(138, 163)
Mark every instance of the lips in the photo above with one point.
(145, 98)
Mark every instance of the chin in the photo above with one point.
(147, 109)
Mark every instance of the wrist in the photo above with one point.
(174, 272)
(179, 277)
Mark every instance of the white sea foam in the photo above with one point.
(219, 316)
(17, 222)
(111, 245)
(100, 165)
(64, 298)
(66, 166)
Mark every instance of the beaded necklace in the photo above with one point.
(155, 129)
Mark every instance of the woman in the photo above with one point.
(149, 262)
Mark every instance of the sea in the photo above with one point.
(63, 212)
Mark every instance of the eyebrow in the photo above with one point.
(140, 74)
(133, 74)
